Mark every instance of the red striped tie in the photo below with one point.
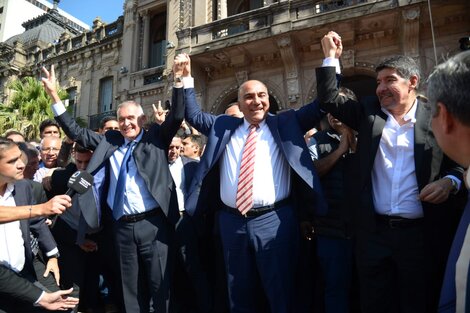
(247, 167)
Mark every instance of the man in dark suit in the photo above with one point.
(260, 233)
(191, 282)
(14, 286)
(16, 252)
(403, 186)
(82, 264)
(132, 183)
(449, 97)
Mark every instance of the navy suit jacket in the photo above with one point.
(288, 129)
(150, 155)
(189, 168)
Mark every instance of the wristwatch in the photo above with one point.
(455, 186)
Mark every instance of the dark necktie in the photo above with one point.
(247, 167)
(118, 205)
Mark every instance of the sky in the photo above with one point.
(88, 10)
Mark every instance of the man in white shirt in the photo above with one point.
(258, 216)
(15, 248)
(404, 182)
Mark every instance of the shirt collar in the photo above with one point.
(246, 124)
(136, 140)
(410, 116)
(8, 190)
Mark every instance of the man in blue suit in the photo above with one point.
(260, 241)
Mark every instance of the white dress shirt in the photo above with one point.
(177, 172)
(394, 183)
(271, 178)
(12, 253)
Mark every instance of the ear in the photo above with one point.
(142, 119)
(413, 81)
(445, 118)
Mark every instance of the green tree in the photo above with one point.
(29, 106)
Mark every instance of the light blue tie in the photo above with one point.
(118, 205)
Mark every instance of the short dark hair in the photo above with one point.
(449, 85)
(404, 65)
(47, 123)
(28, 149)
(13, 132)
(106, 119)
(199, 140)
(5, 144)
(80, 149)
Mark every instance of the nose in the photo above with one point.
(256, 99)
(380, 87)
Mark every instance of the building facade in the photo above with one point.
(13, 13)
(231, 41)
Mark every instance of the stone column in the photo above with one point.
(410, 32)
(146, 39)
(289, 58)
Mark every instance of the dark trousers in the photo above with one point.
(190, 280)
(391, 269)
(143, 250)
(260, 255)
(335, 260)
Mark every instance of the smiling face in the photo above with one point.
(131, 118)
(11, 165)
(253, 99)
(395, 92)
(50, 147)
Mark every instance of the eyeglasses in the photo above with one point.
(50, 149)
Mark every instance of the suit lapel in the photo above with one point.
(420, 130)
(377, 129)
(229, 128)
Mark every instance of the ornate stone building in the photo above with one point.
(230, 41)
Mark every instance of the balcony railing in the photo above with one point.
(94, 120)
(266, 21)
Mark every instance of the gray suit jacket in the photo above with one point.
(150, 156)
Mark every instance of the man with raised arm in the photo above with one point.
(257, 173)
(133, 189)
(405, 187)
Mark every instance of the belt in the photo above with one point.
(132, 218)
(255, 212)
(398, 221)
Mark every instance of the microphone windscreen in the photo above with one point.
(80, 181)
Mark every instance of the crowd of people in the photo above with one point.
(343, 205)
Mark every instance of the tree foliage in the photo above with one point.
(29, 106)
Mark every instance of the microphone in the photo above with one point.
(79, 182)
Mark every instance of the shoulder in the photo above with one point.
(187, 160)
